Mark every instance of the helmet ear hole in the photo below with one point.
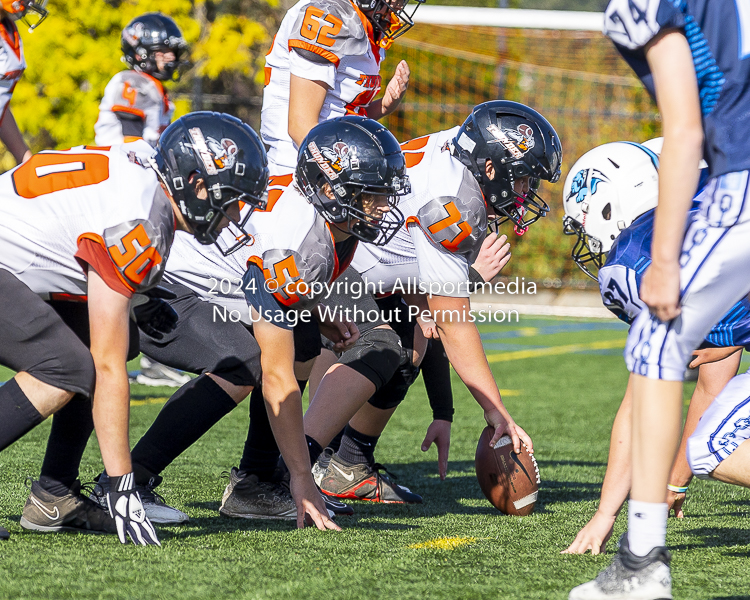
(607, 212)
(198, 183)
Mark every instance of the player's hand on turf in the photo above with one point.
(396, 88)
(439, 433)
(126, 509)
(594, 536)
(310, 507)
(493, 256)
(660, 290)
(675, 500)
(155, 317)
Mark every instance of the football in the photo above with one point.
(510, 481)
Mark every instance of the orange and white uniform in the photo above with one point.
(12, 62)
(321, 40)
(446, 223)
(290, 242)
(134, 105)
(103, 207)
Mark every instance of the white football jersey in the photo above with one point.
(290, 242)
(12, 62)
(136, 94)
(320, 40)
(101, 206)
(446, 223)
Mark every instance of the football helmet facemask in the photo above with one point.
(390, 18)
(28, 11)
(353, 159)
(519, 142)
(209, 162)
(148, 34)
(605, 191)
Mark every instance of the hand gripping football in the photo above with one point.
(510, 481)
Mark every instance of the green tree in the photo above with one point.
(75, 53)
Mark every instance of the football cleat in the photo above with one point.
(72, 512)
(336, 508)
(246, 497)
(157, 510)
(321, 465)
(155, 374)
(4, 533)
(630, 577)
(364, 482)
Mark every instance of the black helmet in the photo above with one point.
(19, 9)
(208, 161)
(148, 34)
(354, 156)
(389, 18)
(519, 142)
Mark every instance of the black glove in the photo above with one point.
(127, 510)
(156, 317)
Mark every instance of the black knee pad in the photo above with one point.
(74, 372)
(393, 393)
(376, 355)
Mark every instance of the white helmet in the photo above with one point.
(605, 191)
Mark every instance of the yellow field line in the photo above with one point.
(555, 350)
(148, 401)
(446, 543)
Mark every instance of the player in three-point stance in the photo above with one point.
(349, 174)
(609, 200)
(82, 232)
(691, 55)
(12, 66)
(489, 167)
(324, 62)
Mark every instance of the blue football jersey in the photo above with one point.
(718, 32)
(620, 280)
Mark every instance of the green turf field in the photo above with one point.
(562, 379)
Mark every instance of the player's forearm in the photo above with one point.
(376, 111)
(464, 349)
(676, 190)
(111, 412)
(12, 138)
(284, 406)
(616, 486)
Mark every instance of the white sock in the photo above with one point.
(647, 526)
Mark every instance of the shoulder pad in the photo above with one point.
(328, 30)
(138, 251)
(137, 92)
(632, 24)
(458, 223)
(297, 277)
